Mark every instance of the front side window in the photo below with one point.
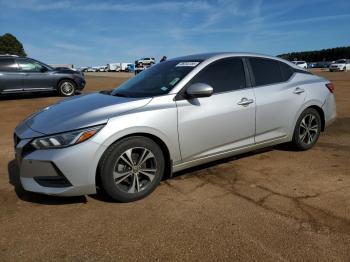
(31, 65)
(8, 65)
(266, 71)
(157, 80)
(224, 75)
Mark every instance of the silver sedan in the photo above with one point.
(177, 114)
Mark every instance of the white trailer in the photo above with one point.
(113, 67)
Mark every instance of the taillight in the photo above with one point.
(330, 87)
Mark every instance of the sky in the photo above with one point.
(97, 32)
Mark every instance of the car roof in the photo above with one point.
(8, 56)
(219, 55)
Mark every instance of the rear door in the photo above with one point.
(222, 122)
(10, 79)
(35, 76)
(278, 98)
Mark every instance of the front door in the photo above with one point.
(222, 122)
(35, 77)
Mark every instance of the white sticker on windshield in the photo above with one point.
(164, 88)
(191, 64)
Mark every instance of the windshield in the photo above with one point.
(340, 61)
(157, 80)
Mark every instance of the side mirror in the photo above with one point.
(199, 90)
(43, 69)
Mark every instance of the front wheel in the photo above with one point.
(66, 88)
(131, 169)
(307, 129)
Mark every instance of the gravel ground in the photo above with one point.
(269, 205)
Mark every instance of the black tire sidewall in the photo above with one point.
(110, 157)
(298, 144)
(59, 89)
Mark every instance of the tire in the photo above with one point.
(131, 169)
(344, 69)
(307, 130)
(66, 88)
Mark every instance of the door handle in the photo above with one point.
(245, 101)
(298, 90)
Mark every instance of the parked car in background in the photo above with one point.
(176, 114)
(145, 61)
(21, 75)
(301, 64)
(102, 69)
(340, 65)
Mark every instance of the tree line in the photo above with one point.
(10, 45)
(330, 54)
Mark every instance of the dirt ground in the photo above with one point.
(269, 205)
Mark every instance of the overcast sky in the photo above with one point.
(90, 33)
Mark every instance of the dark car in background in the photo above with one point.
(24, 75)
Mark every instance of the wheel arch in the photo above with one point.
(154, 138)
(321, 113)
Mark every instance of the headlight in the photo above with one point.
(65, 139)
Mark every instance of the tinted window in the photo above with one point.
(266, 71)
(8, 65)
(29, 65)
(224, 75)
(287, 71)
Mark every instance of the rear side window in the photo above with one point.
(266, 71)
(224, 75)
(8, 65)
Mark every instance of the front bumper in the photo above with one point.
(67, 171)
(335, 69)
(80, 83)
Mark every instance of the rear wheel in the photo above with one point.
(131, 169)
(66, 88)
(307, 129)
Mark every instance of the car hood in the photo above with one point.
(337, 64)
(81, 111)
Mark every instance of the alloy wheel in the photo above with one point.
(308, 129)
(67, 88)
(135, 170)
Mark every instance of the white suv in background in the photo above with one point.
(302, 64)
(340, 65)
(146, 61)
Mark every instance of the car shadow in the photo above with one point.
(14, 179)
(220, 161)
